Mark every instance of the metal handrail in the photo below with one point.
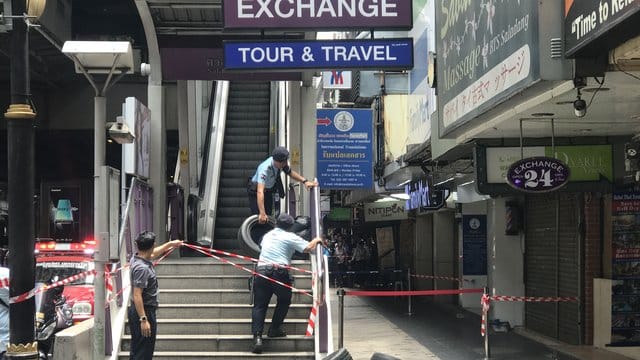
(321, 302)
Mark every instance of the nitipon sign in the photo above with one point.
(538, 174)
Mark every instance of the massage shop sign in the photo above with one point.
(487, 52)
(625, 292)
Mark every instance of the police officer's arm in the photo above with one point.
(161, 249)
(313, 243)
(307, 183)
(145, 327)
(262, 214)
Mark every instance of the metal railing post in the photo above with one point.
(487, 349)
(409, 289)
(340, 318)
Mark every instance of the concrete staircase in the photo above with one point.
(205, 313)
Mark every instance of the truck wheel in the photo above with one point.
(251, 232)
(341, 354)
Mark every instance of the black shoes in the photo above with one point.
(257, 344)
(276, 332)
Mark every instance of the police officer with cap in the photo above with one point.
(278, 247)
(262, 185)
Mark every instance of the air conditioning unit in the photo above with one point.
(627, 55)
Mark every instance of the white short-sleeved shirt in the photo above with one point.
(266, 173)
(279, 245)
(4, 312)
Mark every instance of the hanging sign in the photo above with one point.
(538, 174)
(393, 54)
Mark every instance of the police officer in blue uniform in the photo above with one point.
(278, 247)
(263, 183)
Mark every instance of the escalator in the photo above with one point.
(246, 144)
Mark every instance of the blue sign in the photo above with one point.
(474, 244)
(345, 148)
(395, 54)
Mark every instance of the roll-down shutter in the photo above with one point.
(553, 264)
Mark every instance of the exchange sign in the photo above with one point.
(538, 174)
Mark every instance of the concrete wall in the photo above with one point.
(74, 343)
(443, 252)
(423, 252)
(505, 257)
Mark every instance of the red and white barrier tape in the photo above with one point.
(31, 293)
(436, 277)
(534, 298)
(248, 270)
(209, 250)
(484, 301)
(413, 293)
(312, 321)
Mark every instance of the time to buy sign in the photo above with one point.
(393, 54)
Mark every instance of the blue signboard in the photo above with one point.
(474, 244)
(345, 148)
(395, 54)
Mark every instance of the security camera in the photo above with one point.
(120, 133)
(580, 107)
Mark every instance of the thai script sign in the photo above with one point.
(319, 14)
(345, 148)
(588, 20)
(331, 54)
(474, 244)
(538, 174)
(487, 51)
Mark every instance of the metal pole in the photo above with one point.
(99, 225)
(409, 289)
(340, 318)
(487, 349)
(20, 181)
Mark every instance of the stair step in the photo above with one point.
(219, 281)
(221, 326)
(232, 355)
(216, 343)
(236, 310)
(221, 296)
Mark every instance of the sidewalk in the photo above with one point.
(437, 331)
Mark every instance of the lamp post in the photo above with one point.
(100, 57)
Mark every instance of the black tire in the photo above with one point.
(251, 232)
(193, 202)
(379, 356)
(341, 354)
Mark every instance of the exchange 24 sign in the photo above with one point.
(538, 174)
(396, 54)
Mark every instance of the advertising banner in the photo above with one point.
(588, 20)
(625, 292)
(586, 162)
(345, 148)
(393, 54)
(487, 51)
(474, 244)
(317, 15)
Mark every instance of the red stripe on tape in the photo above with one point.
(413, 293)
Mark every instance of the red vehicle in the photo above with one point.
(64, 260)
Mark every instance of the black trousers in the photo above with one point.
(263, 289)
(142, 347)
